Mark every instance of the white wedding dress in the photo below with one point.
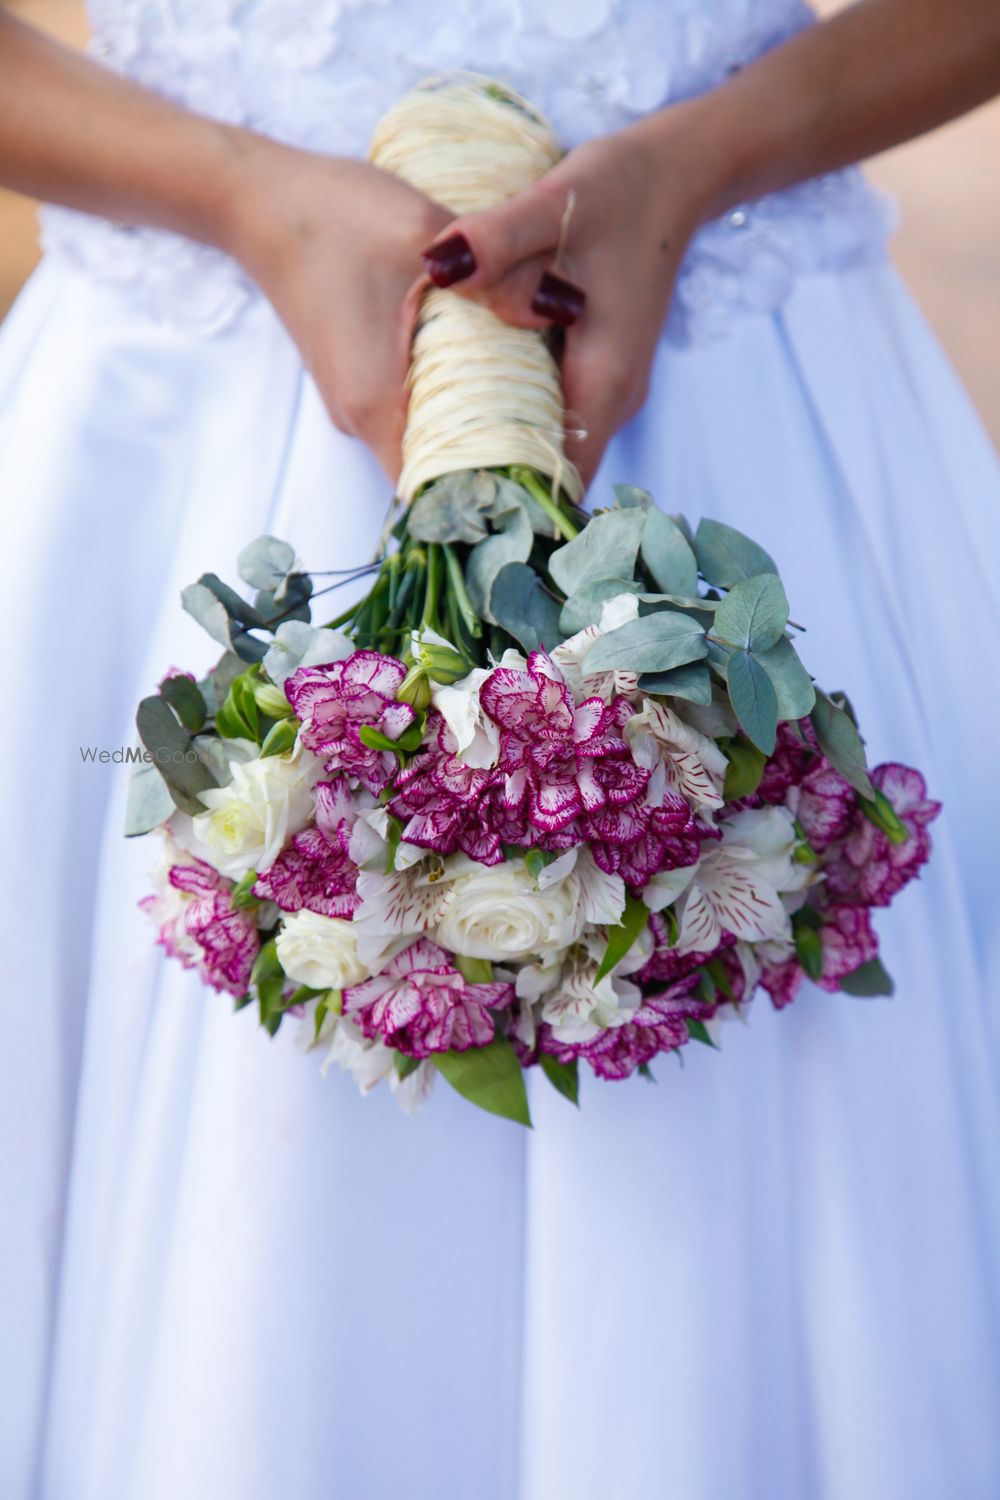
(773, 1276)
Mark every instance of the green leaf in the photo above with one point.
(881, 812)
(607, 547)
(631, 497)
(268, 978)
(754, 700)
(407, 742)
(726, 557)
(475, 970)
(489, 1076)
(793, 686)
(654, 643)
(691, 682)
(174, 754)
(521, 605)
(406, 1065)
(699, 1032)
(453, 509)
(289, 601)
(511, 542)
(394, 833)
(185, 700)
(563, 1076)
(871, 979)
(646, 1072)
(280, 738)
(841, 744)
(148, 801)
(620, 938)
(668, 555)
(754, 613)
(536, 859)
(585, 606)
(745, 768)
(241, 896)
(265, 562)
(809, 949)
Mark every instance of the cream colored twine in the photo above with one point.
(481, 393)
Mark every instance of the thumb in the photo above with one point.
(479, 249)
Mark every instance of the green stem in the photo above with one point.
(429, 619)
(456, 579)
(536, 489)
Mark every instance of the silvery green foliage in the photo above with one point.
(521, 605)
(266, 563)
(148, 802)
(510, 542)
(297, 644)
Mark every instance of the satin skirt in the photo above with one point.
(772, 1273)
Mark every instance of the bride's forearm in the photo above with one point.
(74, 133)
(868, 78)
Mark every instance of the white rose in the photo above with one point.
(498, 912)
(249, 820)
(319, 951)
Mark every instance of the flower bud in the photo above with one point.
(415, 688)
(271, 700)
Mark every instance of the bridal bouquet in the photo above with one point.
(556, 791)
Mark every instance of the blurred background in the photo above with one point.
(948, 248)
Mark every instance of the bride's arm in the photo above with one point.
(332, 242)
(868, 78)
(873, 75)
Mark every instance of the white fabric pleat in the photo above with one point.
(772, 1274)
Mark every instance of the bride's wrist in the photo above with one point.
(694, 163)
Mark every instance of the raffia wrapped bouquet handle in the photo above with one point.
(482, 394)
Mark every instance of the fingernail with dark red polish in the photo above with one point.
(450, 261)
(559, 301)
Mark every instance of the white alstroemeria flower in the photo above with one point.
(571, 656)
(398, 906)
(252, 817)
(665, 887)
(692, 764)
(412, 1092)
(368, 1062)
(769, 832)
(537, 979)
(601, 896)
(476, 736)
(730, 892)
(581, 1005)
(501, 912)
(319, 951)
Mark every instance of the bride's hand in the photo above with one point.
(334, 245)
(623, 240)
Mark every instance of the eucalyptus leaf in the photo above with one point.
(726, 557)
(654, 643)
(453, 509)
(668, 556)
(563, 1076)
(794, 687)
(754, 613)
(585, 606)
(236, 607)
(186, 701)
(174, 754)
(631, 497)
(871, 979)
(691, 682)
(148, 802)
(841, 744)
(297, 644)
(489, 1076)
(511, 542)
(521, 605)
(607, 547)
(290, 601)
(754, 700)
(264, 562)
(203, 606)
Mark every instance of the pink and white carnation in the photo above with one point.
(335, 702)
(198, 924)
(865, 868)
(316, 871)
(420, 1004)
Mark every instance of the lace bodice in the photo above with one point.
(319, 73)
